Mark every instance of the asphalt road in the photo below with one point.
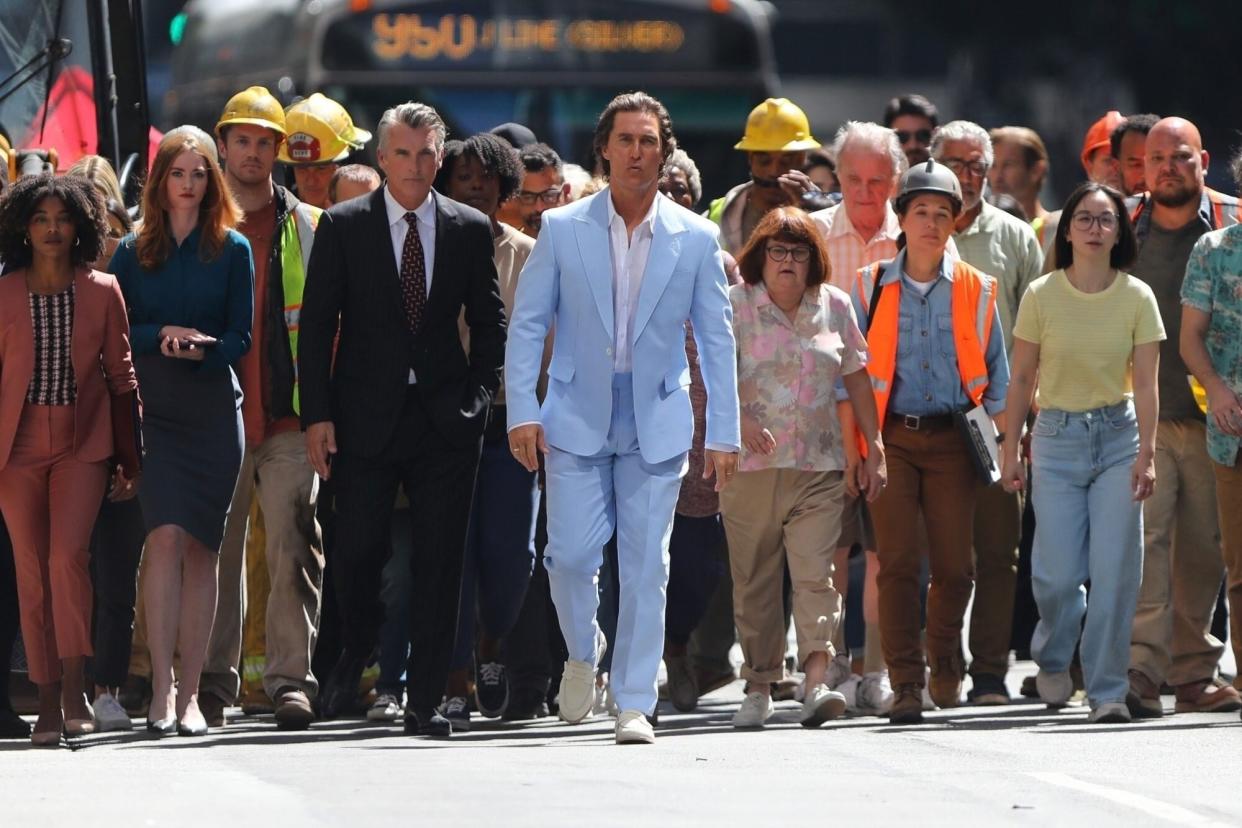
(1019, 765)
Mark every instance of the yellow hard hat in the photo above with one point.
(320, 131)
(777, 125)
(254, 106)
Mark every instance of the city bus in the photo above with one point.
(549, 64)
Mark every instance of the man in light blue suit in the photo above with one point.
(617, 275)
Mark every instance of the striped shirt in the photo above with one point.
(52, 382)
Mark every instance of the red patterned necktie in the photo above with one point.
(413, 275)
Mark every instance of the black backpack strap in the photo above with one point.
(875, 293)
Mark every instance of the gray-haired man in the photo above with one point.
(401, 401)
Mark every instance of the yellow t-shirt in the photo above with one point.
(1086, 340)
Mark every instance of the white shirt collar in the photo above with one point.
(426, 212)
(648, 220)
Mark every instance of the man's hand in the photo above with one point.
(722, 464)
(756, 438)
(527, 443)
(795, 183)
(320, 446)
(873, 474)
(1225, 409)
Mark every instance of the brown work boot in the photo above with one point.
(1213, 696)
(212, 708)
(946, 681)
(907, 704)
(293, 709)
(1144, 697)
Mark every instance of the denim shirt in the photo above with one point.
(926, 380)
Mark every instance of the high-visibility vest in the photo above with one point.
(296, 235)
(1224, 208)
(973, 303)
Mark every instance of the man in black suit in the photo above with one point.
(400, 402)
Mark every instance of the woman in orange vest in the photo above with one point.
(935, 350)
(1091, 335)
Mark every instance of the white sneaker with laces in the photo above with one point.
(385, 708)
(577, 693)
(109, 715)
(875, 694)
(755, 710)
(821, 705)
(838, 672)
(634, 729)
(849, 689)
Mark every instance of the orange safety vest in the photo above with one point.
(973, 303)
(1224, 208)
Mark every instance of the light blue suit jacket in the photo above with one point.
(567, 284)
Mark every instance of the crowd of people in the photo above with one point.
(485, 433)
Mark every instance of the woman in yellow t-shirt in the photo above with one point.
(1091, 335)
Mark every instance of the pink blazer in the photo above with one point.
(102, 364)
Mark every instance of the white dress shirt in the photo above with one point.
(629, 263)
(398, 227)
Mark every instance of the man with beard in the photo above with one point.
(776, 142)
(542, 188)
(1129, 147)
(1171, 637)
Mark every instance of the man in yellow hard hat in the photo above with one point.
(777, 139)
(280, 229)
(320, 136)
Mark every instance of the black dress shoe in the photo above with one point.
(13, 726)
(162, 727)
(340, 691)
(427, 723)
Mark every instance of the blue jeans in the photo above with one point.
(500, 549)
(1088, 527)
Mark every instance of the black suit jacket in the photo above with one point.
(352, 285)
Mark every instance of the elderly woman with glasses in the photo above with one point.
(796, 336)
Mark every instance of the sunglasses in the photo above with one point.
(923, 136)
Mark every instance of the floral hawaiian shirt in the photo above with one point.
(1213, 285)
(787, 373)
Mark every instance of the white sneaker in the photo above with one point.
(1109, 713)
(577, 693)
(849, 689)
(838, 672)
(1055, 689)
(755, 710)
(109, 715)
(875, 694)
(385, 708)
(821, 705)
(634, 729)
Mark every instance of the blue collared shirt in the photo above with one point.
(926, 380)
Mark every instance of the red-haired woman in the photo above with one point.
(65, 381)
(188, 281)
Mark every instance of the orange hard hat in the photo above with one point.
(1099, 136)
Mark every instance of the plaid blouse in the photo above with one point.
(52, 382)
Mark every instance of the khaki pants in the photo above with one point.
(287, 487)
(998, 527)
(1229, 495)
(930, 471)
(771, 516)
(1171, 638)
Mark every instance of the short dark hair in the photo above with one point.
(632, 102)
(911, 105)
(788, 224)
(539, 157)
(820, 158)
(1124, 251)
(1134, 123)
(1006, 202)
(493, 152)
(79, 196)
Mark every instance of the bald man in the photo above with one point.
(1171, 638)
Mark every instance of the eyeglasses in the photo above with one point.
(976, 168)
(1085, 221)
(549, 196)
(779, 253)
(923, 136)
